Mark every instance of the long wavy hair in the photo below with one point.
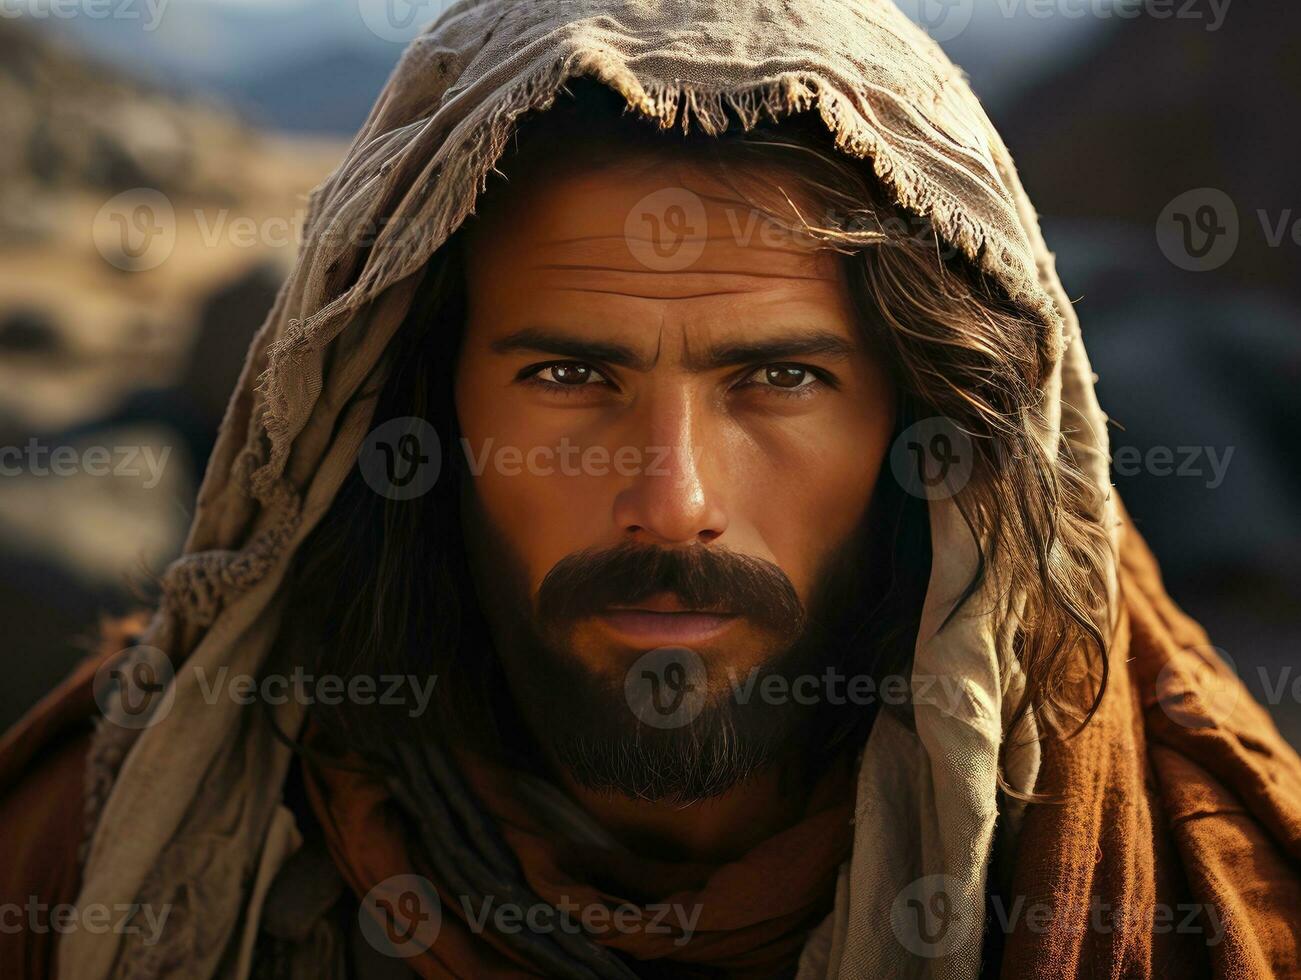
(383, 585)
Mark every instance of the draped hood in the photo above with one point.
(187, 813)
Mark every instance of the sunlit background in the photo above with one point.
(1128, 121)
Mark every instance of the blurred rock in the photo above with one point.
(1166, 106)
(119, 344)
(25, 331)
(93, 161)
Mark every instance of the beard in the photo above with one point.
(670, 724)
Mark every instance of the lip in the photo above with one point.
(641, 627)
(661, 620)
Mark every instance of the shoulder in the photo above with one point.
(41, 829)
(1229, 785)
(42, 815)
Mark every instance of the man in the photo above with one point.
(674, 554)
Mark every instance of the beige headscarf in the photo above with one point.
(187, 813)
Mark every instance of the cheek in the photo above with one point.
(524, 479)
(545, 518)
(808, 489)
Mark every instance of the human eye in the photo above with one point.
(557, 375)
(798, 380)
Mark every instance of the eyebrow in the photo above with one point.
(544, 341)
(817, 344)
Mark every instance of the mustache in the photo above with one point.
(702, 578)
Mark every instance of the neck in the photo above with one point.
(719, 829)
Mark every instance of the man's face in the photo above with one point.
(618, 400)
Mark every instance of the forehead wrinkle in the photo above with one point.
(625, 237)
(654, 296)
(590, 267)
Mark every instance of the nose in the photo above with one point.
(674, 498)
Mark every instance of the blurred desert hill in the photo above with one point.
(300, 66)
(143, 234)
(79, 328)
